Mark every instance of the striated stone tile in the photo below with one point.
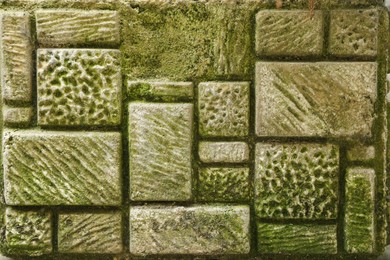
(226, 152)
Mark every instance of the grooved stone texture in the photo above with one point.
(223, 152)
(209, 230)
(296, 181)
(90, 233)
(79, 87)
(160, 90)
(62, 168)
(327, 99)
(160, 145)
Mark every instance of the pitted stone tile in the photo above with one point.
(296, 181)
(227, 152)
(199, 230)
(325, 99)
(17, 116)
(62, 168)
(90, 233)
(223, 108)
(28, 232)
(79, 87)
(160, 146)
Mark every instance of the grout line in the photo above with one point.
(195, 145)
(341, 199)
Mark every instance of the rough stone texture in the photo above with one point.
(79, 87)
(359, 152)
(206, 230)
(160, 90)
(289, 33)
(77, 28)
(297, 238)
(160, 143)
(359, 210)
(223, 108)
(224, 184)
(226, 152)
(90, 233)
(62, 168)
(16, 56)
(28, 232)
(333, 99)
(296, 181)
(354, 32)
(17, 116)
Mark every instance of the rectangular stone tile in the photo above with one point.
(359, 229)
(297, 238)
(77, 28)
(79, 87)
(16, 56)
(160, 146)
(324, 99)
(296, 181)
(226, 152)
(160, 90)
(206, 230)
(360, 152)
(17, 116)
(62, 168)
(98, 233)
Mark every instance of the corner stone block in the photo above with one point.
(324, 99)
(17, 116)
(62, 168)
(98, 233)
(79, 87)
(28, 232)
(223, 152)
(204, 230)
(160, 147)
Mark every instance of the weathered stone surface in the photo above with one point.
(227, 152)
(334, 99)
(297, 238)
(62, 168)
(208, 230)
(354, 32)
(223, 108)
(160, 143)
(289, 33)
(28, 232)
(16, 56)
(349, 3)
(17, 116)
(160, 90)
(359, 152)
(296, 181)
(79, 87)
(224, 184)
(90, 233)
(77, 28)
(359, 233)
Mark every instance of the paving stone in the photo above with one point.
(324, 99)
(359, 152)
(289, 33)
(297, 238)
(160, 146)
(223, 108)
(77, 28)
(17, 116)
(226, 152)
(90, 233)
(28, 232)
(204, 230)
(296, 181)
(354, 32)
(160, 90)
(79, 87)
(62, 168)
(16, 56)
(224, 184)
(359, 229)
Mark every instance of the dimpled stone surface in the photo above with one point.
(296, 181)
(227, 152)
(79, 87)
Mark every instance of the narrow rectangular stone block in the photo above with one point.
(160, 146)
(297, 238)
(206, 230)
(359, 229)
(160, 90)
(99, 233)
(227, 152)
(62, 168)
(16, 56)
(17, 116)
(77, 28)
(289, 33)
(324, 99)
(360, 152)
